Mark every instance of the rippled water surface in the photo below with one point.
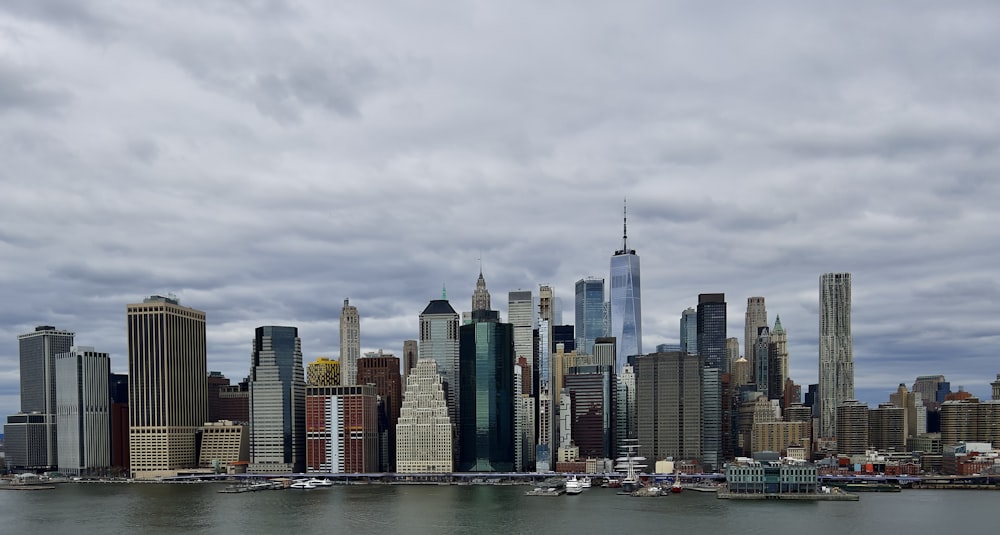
(199, 508)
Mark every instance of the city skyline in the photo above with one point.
(147, 154)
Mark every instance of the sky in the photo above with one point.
(264, 160)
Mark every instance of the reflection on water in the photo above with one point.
(444, 510)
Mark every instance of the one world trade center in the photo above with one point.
(626, 304)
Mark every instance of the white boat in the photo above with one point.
(585, 482)
(573, 485)
(302, 484)
(320, 482)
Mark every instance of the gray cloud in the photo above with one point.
(265, 160)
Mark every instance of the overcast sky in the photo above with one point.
(265, 160)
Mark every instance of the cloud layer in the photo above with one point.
(265, 160)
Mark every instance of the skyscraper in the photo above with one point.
(38, 352)
(350, 343)
(323, 372)
(480, 296)
(521, 314)
(626, 302)
(591, 314)
(83, 414)
(669, 412)
(689, 331)
(439, 342)
(277, 401)
(342, 429)
(424, 431)
(756, 317)
(383, 372)
(410, 355)
(168, 393)
(778, 367)
(732, 352)
(712, 330)
(486, 422)
(712, 349)
(836, 353)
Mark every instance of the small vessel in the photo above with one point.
(318, 482)
(676, 487)
(302, 484)
(573, 485)
(585, 482)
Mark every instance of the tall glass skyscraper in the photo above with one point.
(626, 303)
(277, 401)
(486, 422)
(591, 314)
(689, 331)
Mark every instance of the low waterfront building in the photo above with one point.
(223, 442)
(749, 476)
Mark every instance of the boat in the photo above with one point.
(302, 484)
(676, 487)
(585, 482)
(321, 482)
(628, 463)
(573, 485)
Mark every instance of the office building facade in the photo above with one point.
(756, 317)
(669, 405)
(439, 342)
(342, 429)
(168, 393)
(37, 355)
(83, 411)
(277, 401)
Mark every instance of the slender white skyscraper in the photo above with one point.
(836, 353)
(350, 343)
(83, 416)
(626, 303)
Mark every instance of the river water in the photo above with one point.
(110, 509)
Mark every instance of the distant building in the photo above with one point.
(118, 386)
(592, 391)
(887, 428)
(439, 342)
(25, 439)
(779, 436)
(168, 393)
(669, 411)
(852, 428)
(591, 314)
(732, 352)
(227, 401)
(38, 350)
(748, 476)
(521, 314)
(342, 429)
(382, 370)
(350, 343)
(996, 388)
(277, 400)
(626, 301)
(222, 443)
(777, 352)
(323, 372)
(83, 415)
(836, 353)
(411, 353)
(755, 318)
(712, 349)
(914, 411)
(928, 386)
(625, 408)
(689, 331)
(424, 431)
(970, 420)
